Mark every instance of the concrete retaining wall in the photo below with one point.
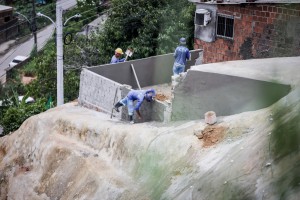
(150, 71)
(97, 92)
(100, 93)
(99, 84)
(200, 92)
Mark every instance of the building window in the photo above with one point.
(7, 19)
(225, 26)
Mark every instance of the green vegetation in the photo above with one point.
(149, 27)
(285, 146)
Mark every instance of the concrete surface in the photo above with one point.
(98, 84)
(240, 85)
(200, 92)
(150, 71)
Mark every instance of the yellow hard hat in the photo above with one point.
(119, 50)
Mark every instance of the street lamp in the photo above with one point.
(59, 49)
(75, 16)
(24, 17)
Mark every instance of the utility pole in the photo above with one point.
(33, 26)
(59, 50)
(59, 56)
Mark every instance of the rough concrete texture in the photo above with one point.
(240, 85)
(71, 152)
(98, 92)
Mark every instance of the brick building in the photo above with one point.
(8, 23)
(244, 29)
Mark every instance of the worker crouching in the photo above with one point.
(132, 96)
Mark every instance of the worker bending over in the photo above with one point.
(135, 95)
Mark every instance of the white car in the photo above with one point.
(17, 60)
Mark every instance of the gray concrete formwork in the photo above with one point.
(100, 84)
(200, 92)
(210, 87)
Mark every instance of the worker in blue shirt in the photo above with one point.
(117, 57)
(181, 54)
(135, 95)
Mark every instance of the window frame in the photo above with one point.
(217, 23)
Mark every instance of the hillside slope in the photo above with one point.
(71, 152)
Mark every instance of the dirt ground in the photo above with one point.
(163, 91)
(27, 79)
(212, 135)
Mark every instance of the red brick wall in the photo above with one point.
(260, 31)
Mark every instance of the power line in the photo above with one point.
(101, 13)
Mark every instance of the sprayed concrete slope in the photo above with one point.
(71, 152)
(240, 85)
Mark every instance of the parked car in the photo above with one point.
(16, 61)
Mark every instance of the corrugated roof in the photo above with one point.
(245, 1)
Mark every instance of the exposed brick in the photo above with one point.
(259, 8)
(198, 42)
(265, 8)
(284, 11)
(259, 19)
(264, 19)
(273, 15)
(270, 20)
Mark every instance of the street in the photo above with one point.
(25, 48)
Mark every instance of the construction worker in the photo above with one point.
(117, 57)
(181, 54)
(135, 95)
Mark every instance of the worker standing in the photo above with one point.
(181, 54)
(117, 57)
(135, 95)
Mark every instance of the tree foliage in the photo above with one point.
(149, 27)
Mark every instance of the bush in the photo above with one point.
(14, 116)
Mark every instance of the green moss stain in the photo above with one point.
(154, 173)
(286, 133)
(285, 142)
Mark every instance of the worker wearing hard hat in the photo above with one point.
(135, 95)
(117, 57)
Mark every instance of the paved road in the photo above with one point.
(25, 48)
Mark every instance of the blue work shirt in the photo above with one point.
(138, 95)
(114, 59)
(181, 54)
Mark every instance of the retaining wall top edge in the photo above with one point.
(194, 50)
(103, 77)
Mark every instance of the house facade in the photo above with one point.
(8, 27)
(244, 29)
